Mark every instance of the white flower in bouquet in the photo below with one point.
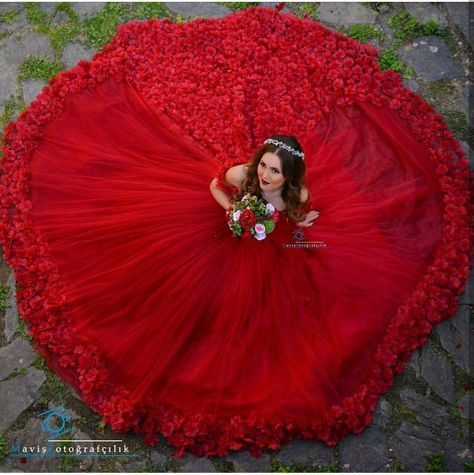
(270, 207)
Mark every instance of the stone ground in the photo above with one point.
(424, 423)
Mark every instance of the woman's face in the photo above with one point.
(270, 174)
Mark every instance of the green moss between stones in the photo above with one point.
(406, 27)
(11, 109)
(3, 448)
(279, 467)
(9, 16)
(4, 296)
(362, 32)
(435, 462)
(389, 59)
(457, 122)
(307, 7)
(35, 67)
(469, 466)
(37, 17)
(397, 467)
(377, 7)
(53, 389)
(222, 465)
(236, 6)
(147, 10)
(101, 28)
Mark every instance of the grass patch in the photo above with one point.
(222, 465)
(389, 59)
(378, 7)
(279, 467)
(17, 372)
(59, 35)
(397, 467)
(469, 466)
(11, 108)
(148, 469)
(22, 330)
(236, 6)
(53, 389)
(35, 67)
(101, 28)
(3, 448)
(303, 8)
(362, 32)
(435, 463)
(37, 17)
(9, 16)
(441, 86)
(4, 296)
(65, 31)
(457, 122)
(407, 27)
(143, 11)
(107, 465)
(62, 35)
(179, 18)
(67, 463)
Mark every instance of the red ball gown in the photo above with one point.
(130, 281)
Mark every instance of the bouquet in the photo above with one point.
(251, 216)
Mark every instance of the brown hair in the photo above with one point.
(293, 169)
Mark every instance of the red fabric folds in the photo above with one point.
(138, 295)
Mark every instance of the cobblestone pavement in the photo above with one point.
(424, 423)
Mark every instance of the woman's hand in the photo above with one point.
(308, 221)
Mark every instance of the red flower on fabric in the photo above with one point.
(247, 219)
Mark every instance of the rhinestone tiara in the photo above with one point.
(286, 147)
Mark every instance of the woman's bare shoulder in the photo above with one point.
(236, 175)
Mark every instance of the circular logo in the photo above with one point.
(298, 235)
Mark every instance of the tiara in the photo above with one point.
(286, 147)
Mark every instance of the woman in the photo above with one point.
(275, 173)
(140, 297)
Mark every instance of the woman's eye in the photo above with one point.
(275, 170)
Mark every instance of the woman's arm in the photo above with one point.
(311, 215)
(304, 194)
(221, 197)
(234, 176)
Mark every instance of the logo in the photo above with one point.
(55, 424)
(298, 235)
(55, 420)
(299, 241)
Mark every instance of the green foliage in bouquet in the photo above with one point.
(252, 216)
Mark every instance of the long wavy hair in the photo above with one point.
(293, 169)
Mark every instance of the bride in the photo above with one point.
(276, 173)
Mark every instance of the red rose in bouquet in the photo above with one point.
(247, 219)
